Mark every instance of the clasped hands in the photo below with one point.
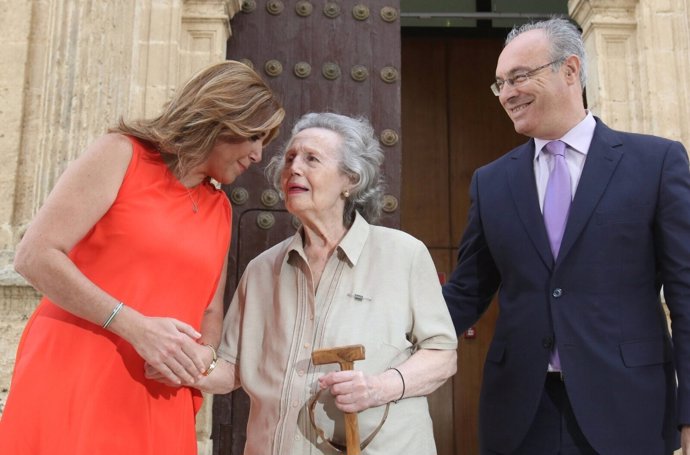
(171, 351)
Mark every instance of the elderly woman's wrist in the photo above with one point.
(214, 359)
(394, 389)
(402, 383)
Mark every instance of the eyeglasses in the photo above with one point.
(519, 78)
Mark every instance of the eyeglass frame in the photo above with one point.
(527, 75)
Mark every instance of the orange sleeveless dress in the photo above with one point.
(78, 389)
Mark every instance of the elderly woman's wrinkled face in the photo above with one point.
(311, 179)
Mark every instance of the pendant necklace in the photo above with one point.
(195, 205)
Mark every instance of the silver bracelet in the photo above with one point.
(116, 310)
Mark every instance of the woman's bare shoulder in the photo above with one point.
(112, 143)
(110, 152)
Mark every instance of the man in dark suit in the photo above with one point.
(577, 230)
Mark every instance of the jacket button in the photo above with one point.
(557, 293)
(547, 342)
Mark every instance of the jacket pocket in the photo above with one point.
(638, 214)
(645, 352)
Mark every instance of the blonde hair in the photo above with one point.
(226, 101)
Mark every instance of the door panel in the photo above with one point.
(312, 53)
(425, 195)
(453, 125)
(481, 132)
(425, 158)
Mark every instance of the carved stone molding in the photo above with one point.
(613, 75)
(638, 63)
(85, 66)
(205, 32)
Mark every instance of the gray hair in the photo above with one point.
(360, 159)
(565, 39)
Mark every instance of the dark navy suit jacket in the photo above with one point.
(628, 233)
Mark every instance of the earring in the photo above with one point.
(345, 194)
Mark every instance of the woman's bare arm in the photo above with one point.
(83, 194)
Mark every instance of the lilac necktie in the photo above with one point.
(556, 206)
(557, 196)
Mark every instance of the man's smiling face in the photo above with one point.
(533, 106)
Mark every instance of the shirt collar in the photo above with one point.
(350, 246)
(578, 138)
(353, 243)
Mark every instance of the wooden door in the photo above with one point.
(452, 124)
(318, 55)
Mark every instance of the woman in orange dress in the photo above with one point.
(130, 251)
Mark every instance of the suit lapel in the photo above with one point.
(602, 158)
(524, 191)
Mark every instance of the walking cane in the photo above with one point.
(345, 357)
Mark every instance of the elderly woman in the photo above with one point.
(338, 281)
